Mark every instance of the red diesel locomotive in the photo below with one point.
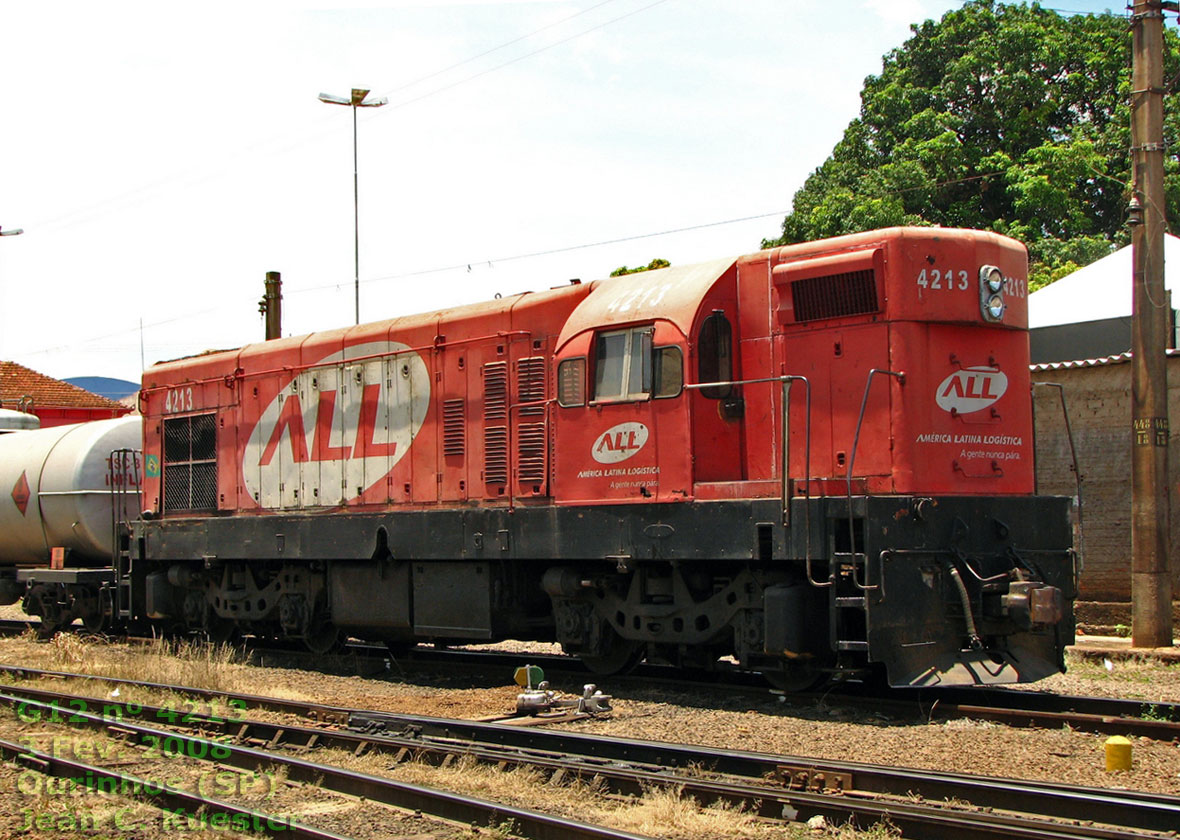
(816, 459)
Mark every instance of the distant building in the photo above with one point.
(1080, 339)
(54, 402)
(1087, 314)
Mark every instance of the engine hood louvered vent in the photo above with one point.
(830, 286)
(835, 295)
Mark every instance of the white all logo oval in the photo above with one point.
(618, 443)
(971, 389)
(338, 428)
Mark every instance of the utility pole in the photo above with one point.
(1151, 581)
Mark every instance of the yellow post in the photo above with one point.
(1118, 753)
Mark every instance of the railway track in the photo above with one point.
(775, 787)
(1012, 707)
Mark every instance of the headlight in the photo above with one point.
(991, 293)
(992, 277)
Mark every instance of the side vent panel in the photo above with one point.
(531, 434)
(454, 440)
(495, 417)
(836, 286)
(835, 295)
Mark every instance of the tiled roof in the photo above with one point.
(17, 381)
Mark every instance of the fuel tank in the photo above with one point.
(56, 490)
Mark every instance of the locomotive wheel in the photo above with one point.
(95, 621)
(621, 657)
(793, 676)
(43, 601)
(91, 607)
(219, 630)
(322, 638)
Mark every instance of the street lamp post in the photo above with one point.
(356, 100)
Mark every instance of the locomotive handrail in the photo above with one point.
(787, 381)
(119, 463)
(1073, 455)
(864, 402)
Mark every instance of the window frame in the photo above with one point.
(626, 373)
(720, 343)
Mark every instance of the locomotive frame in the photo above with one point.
(816, 459)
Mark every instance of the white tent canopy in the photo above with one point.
(1099, 291)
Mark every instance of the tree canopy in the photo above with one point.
(1010, 118)
(651, 266)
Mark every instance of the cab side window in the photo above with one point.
(669, 372)
(627, 368)
(623, 365)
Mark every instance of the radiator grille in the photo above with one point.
(190, 463)
(835, 295)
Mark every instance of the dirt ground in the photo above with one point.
(714, 719)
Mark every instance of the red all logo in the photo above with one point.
(971, 389)
(618, 443)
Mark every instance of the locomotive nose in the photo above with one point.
(1030, 605)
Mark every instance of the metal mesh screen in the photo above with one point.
(190, 463)
(835, 295)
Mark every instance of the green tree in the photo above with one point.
(656, 263)
(1000, 117)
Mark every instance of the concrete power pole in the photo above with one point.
(1151, 581)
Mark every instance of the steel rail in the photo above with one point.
(162, 796)
(641, 763)
(1157, 721)
(442, 804)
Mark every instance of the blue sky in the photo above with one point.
(162, 157)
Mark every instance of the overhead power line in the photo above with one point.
(198, 175)
(482, 261)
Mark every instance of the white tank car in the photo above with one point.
(17, 421)
(56, 490)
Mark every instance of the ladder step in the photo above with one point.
(858, 602)
(852, 645)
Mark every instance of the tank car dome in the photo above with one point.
(17, 421)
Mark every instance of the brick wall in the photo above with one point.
(1098, 398)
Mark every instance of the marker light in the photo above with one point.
(991, 293)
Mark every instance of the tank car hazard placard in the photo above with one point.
(338, 427)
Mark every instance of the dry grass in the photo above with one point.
(664, 812)
(174, 661)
